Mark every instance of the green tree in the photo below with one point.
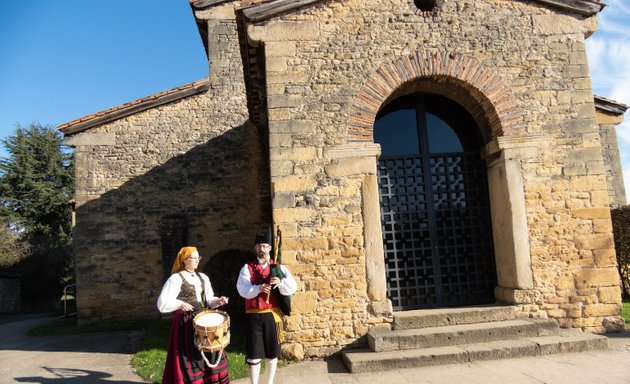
(621, 231)
(13, 247)
(36, 184)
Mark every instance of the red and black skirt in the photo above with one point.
(184, 363)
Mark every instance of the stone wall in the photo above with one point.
(612, 158)
(318, 61)
(189, 170)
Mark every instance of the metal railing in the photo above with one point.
(69, 295)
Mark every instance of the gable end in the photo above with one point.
(139, 105)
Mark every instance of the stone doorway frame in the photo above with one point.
(492, 105)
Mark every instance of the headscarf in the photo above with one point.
(182, 255)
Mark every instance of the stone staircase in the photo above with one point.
(461, 335)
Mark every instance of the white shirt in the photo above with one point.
(245, 288)
(168, 301)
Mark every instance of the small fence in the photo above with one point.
(69, 300)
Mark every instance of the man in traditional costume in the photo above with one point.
(188, 292)
(263, 314)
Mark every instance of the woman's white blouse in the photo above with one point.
(168, 302)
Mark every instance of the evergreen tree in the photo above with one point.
(13, 247)
(36, 185)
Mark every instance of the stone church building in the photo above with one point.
(416, 153)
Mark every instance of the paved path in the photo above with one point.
(104, 358)
(611, 366)
(76, 359)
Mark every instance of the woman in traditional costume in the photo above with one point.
(188, 292)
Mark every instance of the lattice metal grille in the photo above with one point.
(438, 244)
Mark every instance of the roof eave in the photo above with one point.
(133, 107)
(582, 7)
(610, 106)
(264, 11)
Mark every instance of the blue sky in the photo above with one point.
(64, 59)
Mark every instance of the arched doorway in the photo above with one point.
(435, 215)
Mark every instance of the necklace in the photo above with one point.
(192, 273)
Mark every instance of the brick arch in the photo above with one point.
(491, 96)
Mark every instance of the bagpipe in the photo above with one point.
(276, 271)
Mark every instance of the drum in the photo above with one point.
(212, 330)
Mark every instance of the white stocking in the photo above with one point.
(270, 367)
(254, 372)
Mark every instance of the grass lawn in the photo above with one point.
(148, 361)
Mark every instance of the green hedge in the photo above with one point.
(621, 231)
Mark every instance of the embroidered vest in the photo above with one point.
(187, 292)
(260, 275)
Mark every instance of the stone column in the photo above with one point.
(509, 220)
(367, 154)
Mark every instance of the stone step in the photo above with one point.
(361, 361)
(440, 317)
(402, 339)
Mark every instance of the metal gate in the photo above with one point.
(436, 229)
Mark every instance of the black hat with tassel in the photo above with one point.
(265, 238)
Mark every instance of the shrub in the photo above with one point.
(621, 231)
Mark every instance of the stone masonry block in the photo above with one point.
(281, 168)
(304, 302)
(276, 64)
(291, 126)
(295, 154)
(599, 198)
(609, 295)
(281, 101)
(591, 140)
(576, 126)
(583, 155)
(285, 31)
(280, 140)
(602, 277)
(294, 183)
(587, 183)
(595, 168)
(602, 226)
(293, 214)
(601, 309)
(348, 167)
(605, 257)
(554, 24)
(280, 48)
(593, 242)
(284, 199)
(592, 213)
